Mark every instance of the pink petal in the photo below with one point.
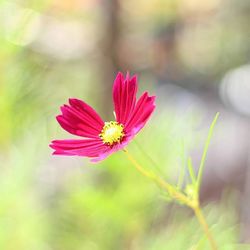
(109, 151)
(86, 110)
(80, 119)
(124, 96)
(142, 111)
(87, 147)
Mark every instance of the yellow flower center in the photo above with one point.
(112, 132)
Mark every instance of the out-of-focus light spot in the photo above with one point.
(64, 39)
(198, 6)
(20, 25)
(197, 50)
(75, 5)
(235, 89)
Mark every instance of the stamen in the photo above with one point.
(112, 132)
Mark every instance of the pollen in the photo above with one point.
(112, 133)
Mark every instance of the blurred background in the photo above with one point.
(194, 55)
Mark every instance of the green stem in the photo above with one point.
(203, 223)
(174, 193)
(171, 190)
(204, 155)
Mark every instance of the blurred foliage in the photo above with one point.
(49, 203)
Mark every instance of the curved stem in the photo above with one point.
(173, 192)
(203, 223)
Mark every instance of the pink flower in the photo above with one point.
(99, 138)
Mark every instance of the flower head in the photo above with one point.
(99, 138)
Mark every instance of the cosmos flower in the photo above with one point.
(99, 138)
